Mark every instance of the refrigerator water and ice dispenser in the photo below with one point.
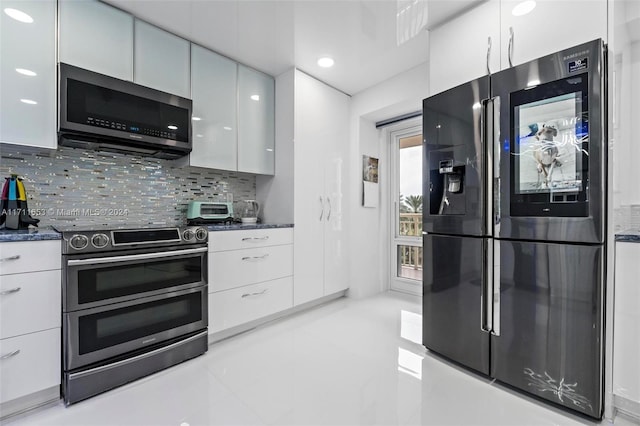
(447, 188)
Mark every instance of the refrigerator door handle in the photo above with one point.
(486, 305)
(494, 176)
(487, 140)
(495, 314)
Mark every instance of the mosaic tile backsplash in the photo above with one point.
(98, 188)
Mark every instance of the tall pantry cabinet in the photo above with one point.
(321, 135)
(312, 135)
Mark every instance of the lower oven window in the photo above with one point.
(115, 281)
(110, 328)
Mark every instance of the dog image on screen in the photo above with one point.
(546, 155)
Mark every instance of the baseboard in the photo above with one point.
(243, 328)
(29, 402)
(628, 408)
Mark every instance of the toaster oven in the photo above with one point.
(203, 212)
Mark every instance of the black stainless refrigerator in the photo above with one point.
(514, 189)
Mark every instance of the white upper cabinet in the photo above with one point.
(256, 122)
(213, 81)
(551, 26)
(460, 49)
(96, 37)
(161, 60)
(28, 74)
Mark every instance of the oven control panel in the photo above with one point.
(78, 240)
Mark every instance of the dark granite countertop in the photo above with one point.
(245, 226)
(628, 236)
(31, 234)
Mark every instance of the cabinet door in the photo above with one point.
(213, 81)
(335, 143)
(551, 26)
(161, 60)
(256, 122)
(96, 37)
(626, 343)
(28, 75)
(29, 363)
(459, 48)
(310, 205)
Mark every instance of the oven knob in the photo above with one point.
(188, 235)
(201, 234)
(99, 240)
(79, 242)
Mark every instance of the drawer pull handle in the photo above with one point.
(252, 258)
(10, 354)
(11, 290)
(259, 293)
(255, 239)
(4, 259)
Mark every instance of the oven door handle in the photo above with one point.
(130, 257)
(137, 357)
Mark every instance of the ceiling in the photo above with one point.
(276, 35)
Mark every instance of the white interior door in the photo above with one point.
(406, 207)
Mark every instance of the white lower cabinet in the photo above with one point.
(29, 363)
(250, 276)
(240, 267)
(233, 307)
(20, 294)
(626, 329)
(30, 319)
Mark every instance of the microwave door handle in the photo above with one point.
(127, 258)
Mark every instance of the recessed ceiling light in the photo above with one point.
(255, 97)
(326, 62)
(172, 127)
(196, 118)
(28, 101)
(27, 72)
(227, 128)
(198, 135)
(18, 15)
(270, 149)
(523, 8)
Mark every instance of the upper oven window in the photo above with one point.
(550, 153)
(107, 281)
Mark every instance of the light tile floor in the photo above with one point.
(349, 362)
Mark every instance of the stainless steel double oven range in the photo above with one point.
(134, 302)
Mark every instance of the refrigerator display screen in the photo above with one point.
(550, 130)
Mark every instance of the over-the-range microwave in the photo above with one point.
(105, 113)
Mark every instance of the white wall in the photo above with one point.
(275, 193)
(369, 227)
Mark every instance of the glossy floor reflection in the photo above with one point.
(350, 362)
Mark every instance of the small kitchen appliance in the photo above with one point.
(250, 210)
(203, 212)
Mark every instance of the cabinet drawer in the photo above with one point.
(29, 302)
(235, 268)
(29, 256)
(234, 240)
(34, 367)
(237, 306)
